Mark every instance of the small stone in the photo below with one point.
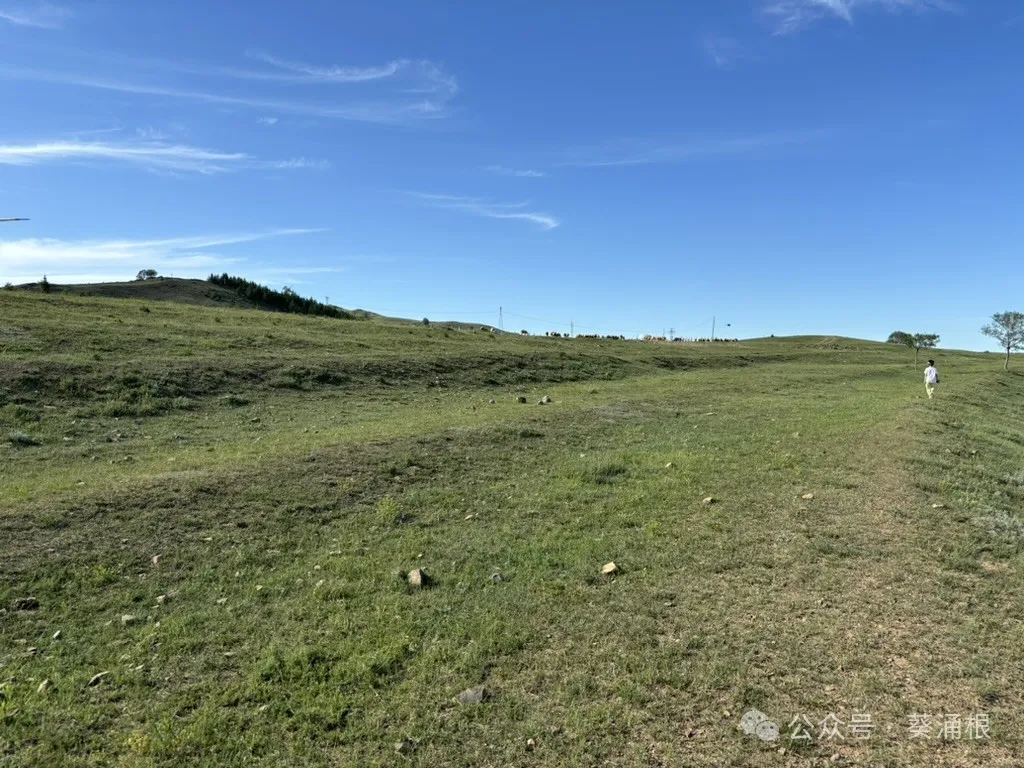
(263, 708)
(609, 569)
(56, 635)
(405, 747)
(709, 500)
(26, 604)
(128, 619)
(417, 578)
(497, 578)
(546, 400)
(835, 757)
(155, 559)
(161, 599)
(474, 695)
(222, 601)
(938, 506)
(807, 496)
(98, 678)
(530, 745)
(670, 465)
(259, 587)
(491, 401)
(521, 399)
(43, 687)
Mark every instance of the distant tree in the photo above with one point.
(8, 286)
(900, 337)
(924, 341)
(44, 285)
(147, 274)
(914, 341)
(1008, 329)
(426, 321)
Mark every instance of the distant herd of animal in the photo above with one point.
(559, 335)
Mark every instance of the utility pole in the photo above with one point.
(671, 333)
(712, 327)
(501, 319)
(572, 329)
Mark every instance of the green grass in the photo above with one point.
(288, 472)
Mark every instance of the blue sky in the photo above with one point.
(787, 166)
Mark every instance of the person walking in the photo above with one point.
(931, 378)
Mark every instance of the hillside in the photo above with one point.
(214, 521)
(202, 293)
(183, 291)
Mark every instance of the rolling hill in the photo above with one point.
(244, 538)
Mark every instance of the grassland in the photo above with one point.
(222, 502)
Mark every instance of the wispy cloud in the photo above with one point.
(792, 15)
(41, 16)
(64, 260)
(522, 174)
(149, 133)
(724, 52)
(401, 92)
(490, 210)
(647, 152)
(157, 156)
(267, 121)
(330, 74)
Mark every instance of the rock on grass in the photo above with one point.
(475, 695)
(21, 439)
(417, 578)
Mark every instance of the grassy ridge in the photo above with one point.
(282, 517)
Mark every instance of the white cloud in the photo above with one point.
(488, 209)
(267, 121)
(793, 15)
(27, 259)
(647, 152)
(150, 155)
(724, 52)
(331, 74)
(300, 162)
(523, 174)
(149, 133)
(406, 91)
(42, 16)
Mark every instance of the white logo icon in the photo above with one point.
(757, 723)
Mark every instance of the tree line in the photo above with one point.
(285, 300)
